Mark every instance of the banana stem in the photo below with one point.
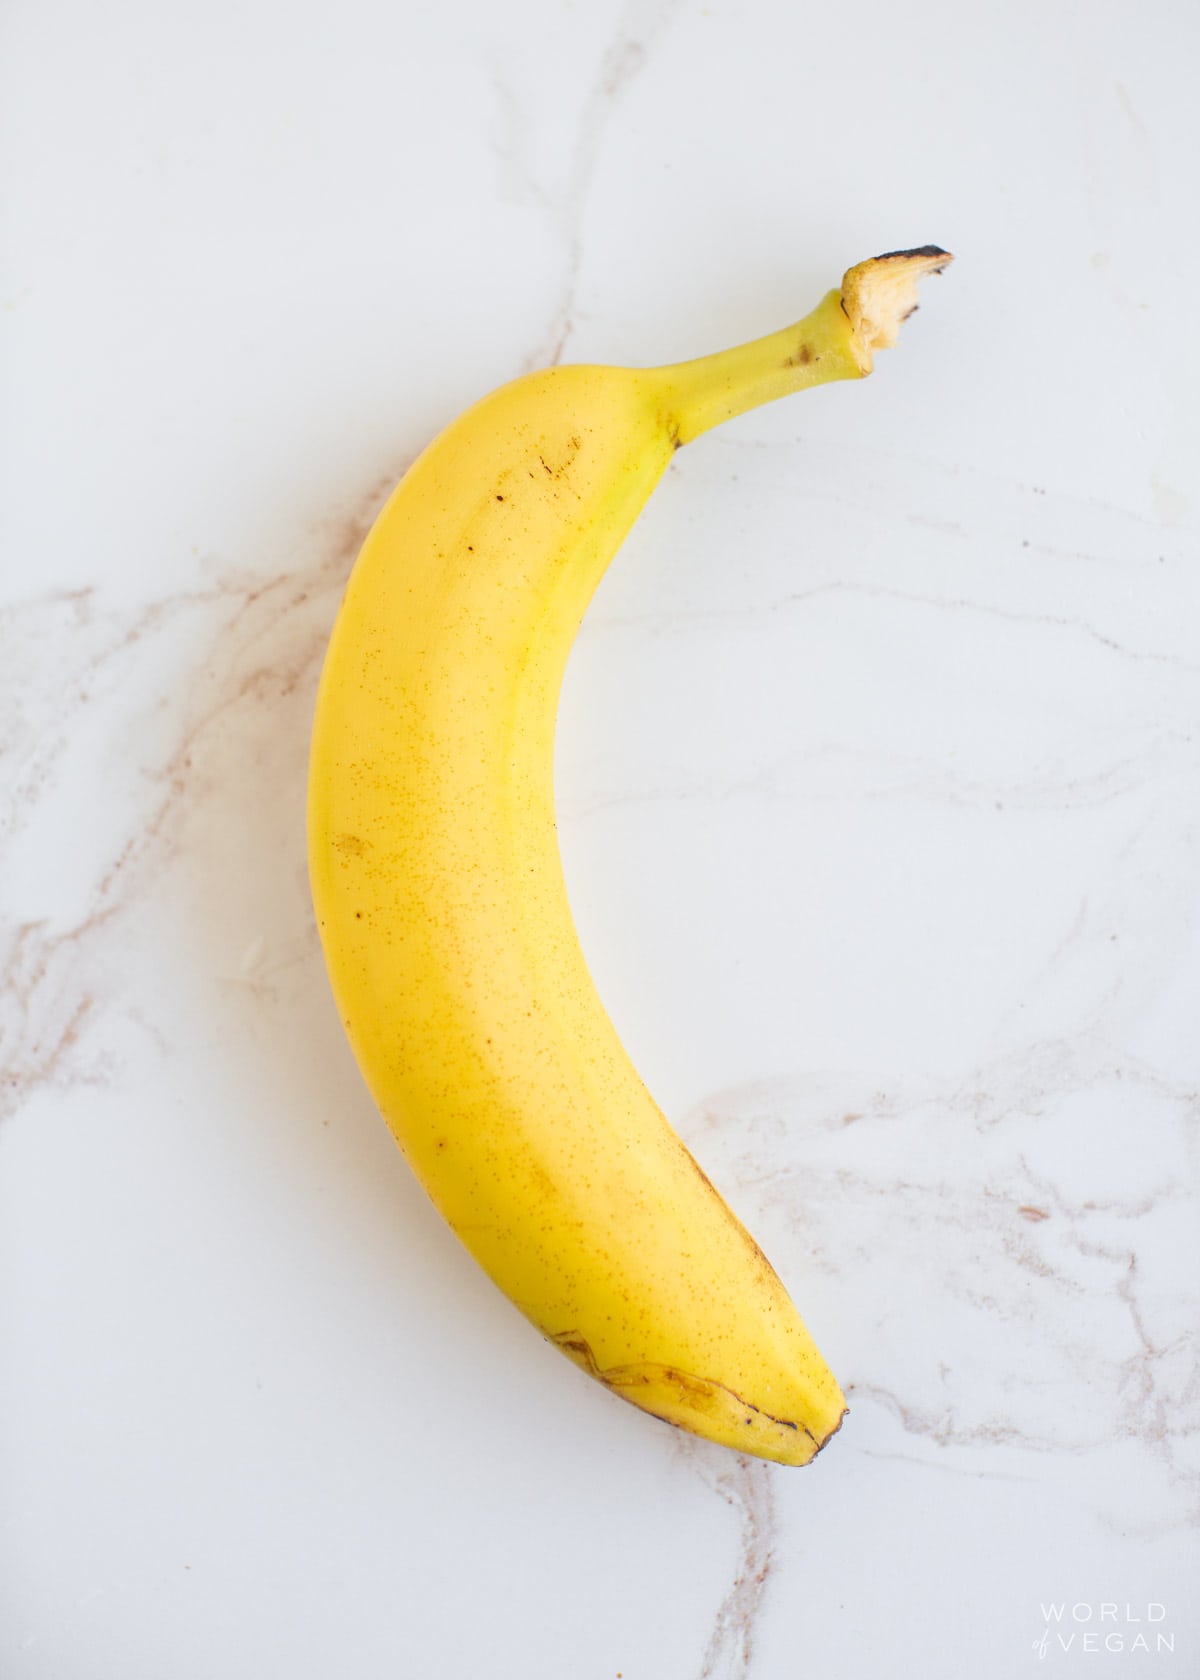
(812, 352)
(836, 341)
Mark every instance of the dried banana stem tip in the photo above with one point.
(880, 293)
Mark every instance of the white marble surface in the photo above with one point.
(880, 807)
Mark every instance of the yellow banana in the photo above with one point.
(439, 890)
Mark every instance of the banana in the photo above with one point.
(439, 891)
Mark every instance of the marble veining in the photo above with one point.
(747, 1487)
(564, 200)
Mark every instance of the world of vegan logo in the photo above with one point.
(1091, 1629)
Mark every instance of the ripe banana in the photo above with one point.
(439, 890)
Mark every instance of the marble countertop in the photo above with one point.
(878, 778)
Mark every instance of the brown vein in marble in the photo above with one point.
(1034, 502)
(1024, 1081)
(1145, 1411)
(40, 1045)
(885, 774)
(945, 1429)
(746, 1486)
(1012, 1243)
(638, 28)
(1161, 1419)
(265, 644)
(670, 620)
(940, 1466)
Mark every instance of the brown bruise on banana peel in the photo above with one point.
(703, 1396)
(881, 293)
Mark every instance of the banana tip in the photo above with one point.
(881, 293)
(825, 1439)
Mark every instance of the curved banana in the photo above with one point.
(440, 897)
